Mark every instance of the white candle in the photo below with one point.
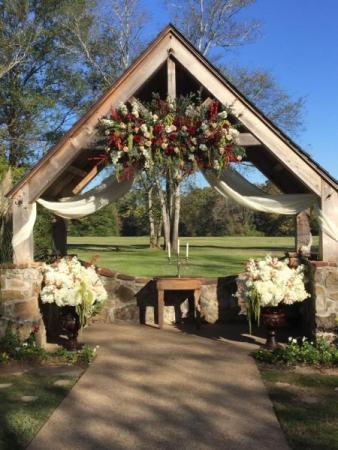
(178, 246)
(169, 252)
(187, 250)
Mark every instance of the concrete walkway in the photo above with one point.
(165, 389)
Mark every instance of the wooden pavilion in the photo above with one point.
(172, 66)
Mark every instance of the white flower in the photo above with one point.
(155, 117)
(223, 115)
(123, 125)
(125, 149)
(123, 109)
(144, 128)
(107, 122)
(184, 128)
(164, 145)
(190, 111)
(170, 128)
(203, 147)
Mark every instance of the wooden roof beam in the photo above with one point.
(76, 171)
(86, 180)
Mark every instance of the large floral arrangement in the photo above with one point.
(68, 283)
(178, 136)
(268, 283)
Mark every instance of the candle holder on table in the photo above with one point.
(178, 260)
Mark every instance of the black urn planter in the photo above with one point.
(70, 325)
(272, 318)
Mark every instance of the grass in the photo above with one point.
(209, 256)
(20, 421)
(308, 426)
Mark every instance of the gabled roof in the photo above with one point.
(170, 42)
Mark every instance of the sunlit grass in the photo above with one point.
(209, 256)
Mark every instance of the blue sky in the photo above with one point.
(298, 45)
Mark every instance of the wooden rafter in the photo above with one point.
(86, 180)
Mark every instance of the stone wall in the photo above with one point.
(20, 287)
(134, 299)
(324, 290)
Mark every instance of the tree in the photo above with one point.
(259, 86)
(45, 91)
(214, 23)
(16, 42)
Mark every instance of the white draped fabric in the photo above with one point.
(232, 185)
(82, 205)
(78, 206)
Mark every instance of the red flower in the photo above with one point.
(169, 150)
(115, 115)
(137, 138)
(192, 130)
(158, 128)
(173, 136)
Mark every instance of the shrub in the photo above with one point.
(321, 353)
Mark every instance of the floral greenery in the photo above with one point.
(68, 283)
(12, 348)
(178, 136)
(267, 283)
(321, 353)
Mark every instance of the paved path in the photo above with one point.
(151, 389)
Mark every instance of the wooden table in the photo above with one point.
(178, 284)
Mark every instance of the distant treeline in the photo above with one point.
(203, 213)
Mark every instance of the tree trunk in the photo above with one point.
(165, 216)
(175, 217)
(152, 232)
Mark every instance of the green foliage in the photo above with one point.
(83, 356)
(103, 223)
(43, 245)
(14, 348)
(320, 353)
(132, 212)
(86, 355)
(11, 347)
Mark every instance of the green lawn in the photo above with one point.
(209, 256)
(19, 420)
(306, 406)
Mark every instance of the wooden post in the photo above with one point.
(59, 235)
(328, 247)
(22, 211)
(303, 233)
(171, 74)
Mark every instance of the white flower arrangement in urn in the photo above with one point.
(68, 283)
(269, 282)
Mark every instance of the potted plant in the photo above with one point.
(265, 286)
(77, 290)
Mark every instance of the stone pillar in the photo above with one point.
(324, 287)
(20, 287)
